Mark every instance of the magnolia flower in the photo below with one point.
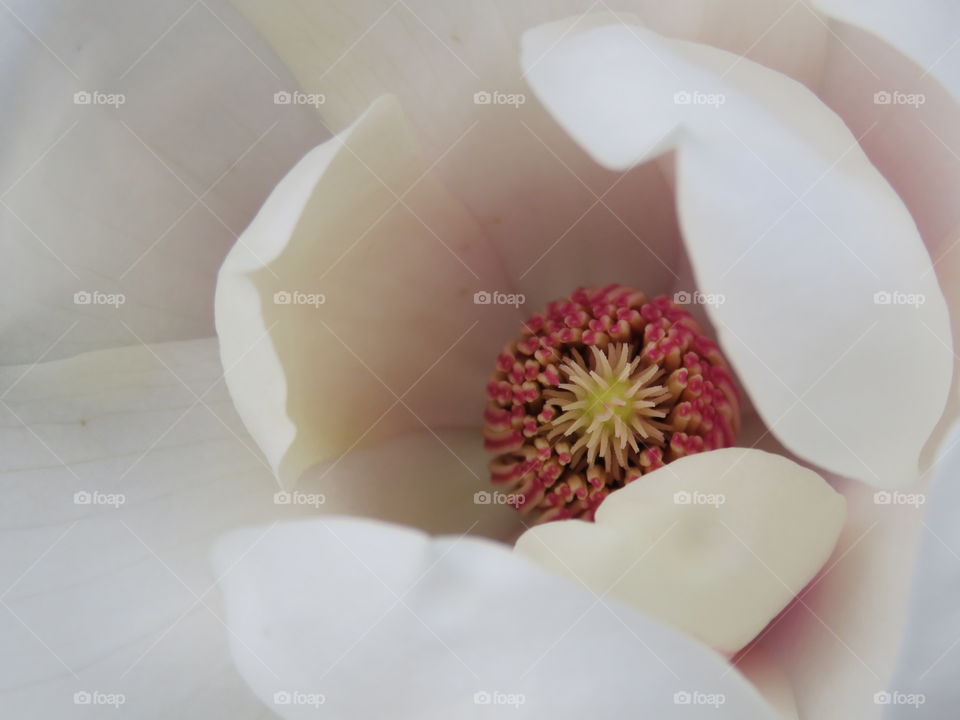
(522, 156)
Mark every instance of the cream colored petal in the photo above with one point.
(716, 543)
(348, 313)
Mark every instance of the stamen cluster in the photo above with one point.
(601, 388)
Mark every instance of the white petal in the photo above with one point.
(915, 142)
(434, 480)
(930, 656)
(788, 222)
(143, 199)
(347, 311)
(116, 597)
(925, 31)
(716, 543)
(382, 621)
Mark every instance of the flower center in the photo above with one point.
(609, 406)
(601, 388)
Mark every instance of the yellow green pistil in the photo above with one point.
(609, 407)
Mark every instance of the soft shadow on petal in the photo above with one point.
(926, 31)
(119, 467)
(838, 642)
(348, 310)
(141, 197)
(767, 676)
(383, 621)
(433, 480)
(828, 298)
(929, 658)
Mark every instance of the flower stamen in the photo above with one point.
(601, 388)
